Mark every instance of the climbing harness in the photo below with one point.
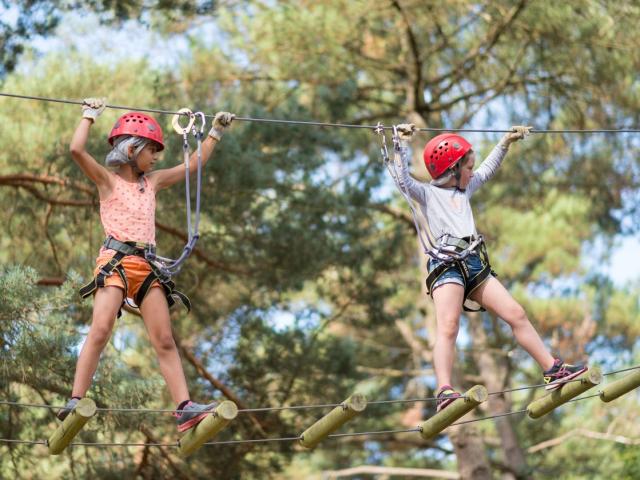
(137, 249)
(470, 282)
(162, 268)
(450, 252)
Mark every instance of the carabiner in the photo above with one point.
(379, 129)
(175, 121)
(203, 121)
(396, 139)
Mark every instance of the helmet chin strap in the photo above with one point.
(438, 182)
(454, 172)
(457, 174)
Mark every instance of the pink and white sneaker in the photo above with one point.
(561, 373)
(445, 397)
(192, 414)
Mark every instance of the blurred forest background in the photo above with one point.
(308, 283)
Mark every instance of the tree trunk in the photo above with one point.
(473, 463)
(494, 372)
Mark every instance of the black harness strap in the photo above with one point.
(167, 285)
(470, 283)
(124, 249)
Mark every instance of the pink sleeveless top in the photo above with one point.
(129, 214)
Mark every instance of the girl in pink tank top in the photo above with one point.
(127, 191)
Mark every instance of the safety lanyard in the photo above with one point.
(167, 266)
(437, 252)
(198, 134)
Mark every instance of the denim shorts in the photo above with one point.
(454, 275)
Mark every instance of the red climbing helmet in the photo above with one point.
(443, 152)
(140, 125)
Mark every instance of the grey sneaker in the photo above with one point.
(66, 410)
(192, 414)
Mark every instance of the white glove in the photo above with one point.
(518, 132)
(93, 107)
(406, 131)
(220, 122)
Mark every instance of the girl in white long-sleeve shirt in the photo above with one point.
(445, 204)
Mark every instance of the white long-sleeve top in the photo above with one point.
(448, 210)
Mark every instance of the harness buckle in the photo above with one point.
(127, 248)
(150, 252)
(111, 263)
(107, 243)
(396, 139)
(452, 248)
(379, 129)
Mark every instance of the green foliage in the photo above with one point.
(24, 20)
(307, 284)
(20, 21)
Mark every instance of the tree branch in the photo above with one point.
(482, 49)
(50, 281)
(392, 372)
(417, 347)
(583, 432)
(415, 95)
(152, 439)
(27, 181)
(199, 253)
(387, 471)
(217, 384)
(52, 201)
(396, 213)
(50, 239)
(46, 180)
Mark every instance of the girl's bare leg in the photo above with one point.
(448, 302)
(106, 304)
(155, 312)
(496, 299)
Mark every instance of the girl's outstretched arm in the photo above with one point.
(489, 166)
(415, 189)
(169, 176)
(98, 174)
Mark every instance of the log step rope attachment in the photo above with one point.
(208, 428)
(457, 409)
(63, 435)
(620, 387)
(69, 428)
(351, 407)
(589, 379)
